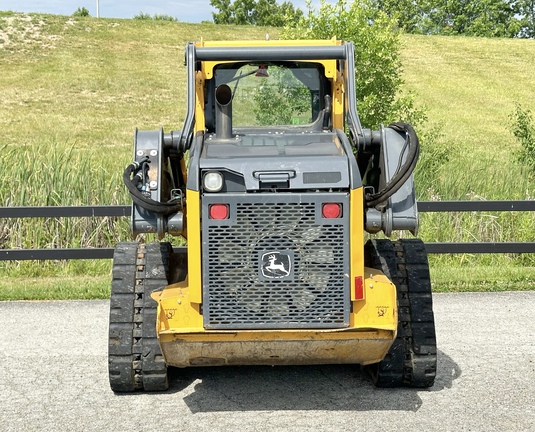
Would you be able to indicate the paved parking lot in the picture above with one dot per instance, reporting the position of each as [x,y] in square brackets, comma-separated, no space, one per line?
[53,376]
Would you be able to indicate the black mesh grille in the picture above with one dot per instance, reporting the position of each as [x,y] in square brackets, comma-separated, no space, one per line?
[276,265]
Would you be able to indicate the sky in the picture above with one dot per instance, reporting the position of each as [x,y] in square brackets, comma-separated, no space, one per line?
[193,11]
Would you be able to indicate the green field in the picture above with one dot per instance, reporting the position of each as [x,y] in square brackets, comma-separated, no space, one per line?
[74,89]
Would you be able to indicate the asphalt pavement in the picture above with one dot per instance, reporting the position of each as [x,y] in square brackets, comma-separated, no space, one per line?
[53,377]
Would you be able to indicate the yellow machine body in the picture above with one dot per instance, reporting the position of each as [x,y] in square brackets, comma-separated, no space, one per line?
[185,342]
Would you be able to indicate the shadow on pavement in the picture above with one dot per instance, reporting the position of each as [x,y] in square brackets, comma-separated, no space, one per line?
[325,387]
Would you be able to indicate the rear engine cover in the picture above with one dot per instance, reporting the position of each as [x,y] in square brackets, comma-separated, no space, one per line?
[276,262]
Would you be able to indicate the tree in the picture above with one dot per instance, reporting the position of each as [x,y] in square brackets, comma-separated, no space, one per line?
[526,10]
[261,12]
[494,18]
[377,55]
[407,13]
[224,14]
[81,12]
[489,18]
[282,101]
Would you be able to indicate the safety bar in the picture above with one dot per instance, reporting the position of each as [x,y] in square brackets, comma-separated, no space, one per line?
[271,53]
[182,140]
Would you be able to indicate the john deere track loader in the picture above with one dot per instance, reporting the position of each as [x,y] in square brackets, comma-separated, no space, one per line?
[274,185]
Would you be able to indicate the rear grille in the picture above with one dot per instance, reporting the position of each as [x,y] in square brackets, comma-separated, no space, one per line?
[275,263]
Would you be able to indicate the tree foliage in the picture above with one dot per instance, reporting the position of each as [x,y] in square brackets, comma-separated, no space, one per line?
[377,55]
[526,11]
[488,18]
[81,12]
[282,101]
[261,12]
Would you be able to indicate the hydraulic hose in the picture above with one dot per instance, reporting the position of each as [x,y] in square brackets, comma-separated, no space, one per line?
[404,170]
[149,204]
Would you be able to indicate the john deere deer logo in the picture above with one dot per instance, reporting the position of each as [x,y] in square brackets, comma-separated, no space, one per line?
[276,265]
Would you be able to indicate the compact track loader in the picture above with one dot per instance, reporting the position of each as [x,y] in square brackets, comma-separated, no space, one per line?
[274,185]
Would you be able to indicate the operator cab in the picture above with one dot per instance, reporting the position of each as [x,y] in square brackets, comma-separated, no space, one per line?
[268,127]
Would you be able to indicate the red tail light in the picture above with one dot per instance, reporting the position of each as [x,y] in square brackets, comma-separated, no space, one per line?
[219,211]
[359,288]
[331,210]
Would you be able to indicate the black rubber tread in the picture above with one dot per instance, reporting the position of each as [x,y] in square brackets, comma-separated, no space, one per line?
[121,371]
[135,358]
[411,361]
[154,369]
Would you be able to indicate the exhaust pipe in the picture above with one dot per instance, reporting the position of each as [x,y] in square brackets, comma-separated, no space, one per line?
[223,112]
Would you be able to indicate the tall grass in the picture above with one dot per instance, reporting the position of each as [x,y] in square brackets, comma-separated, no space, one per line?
[58,174]
[445,173]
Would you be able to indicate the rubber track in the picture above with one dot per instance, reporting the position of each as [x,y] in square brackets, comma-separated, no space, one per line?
[135,358]
[411,361]
[154,278]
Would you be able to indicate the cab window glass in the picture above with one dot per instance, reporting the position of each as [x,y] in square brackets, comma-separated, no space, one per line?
[268,94]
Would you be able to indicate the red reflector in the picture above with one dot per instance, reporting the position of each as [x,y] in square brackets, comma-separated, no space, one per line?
[219,211]
[331,210]
[359,288]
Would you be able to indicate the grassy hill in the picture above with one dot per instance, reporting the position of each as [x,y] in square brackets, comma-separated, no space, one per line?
[73,90]
[470,85]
